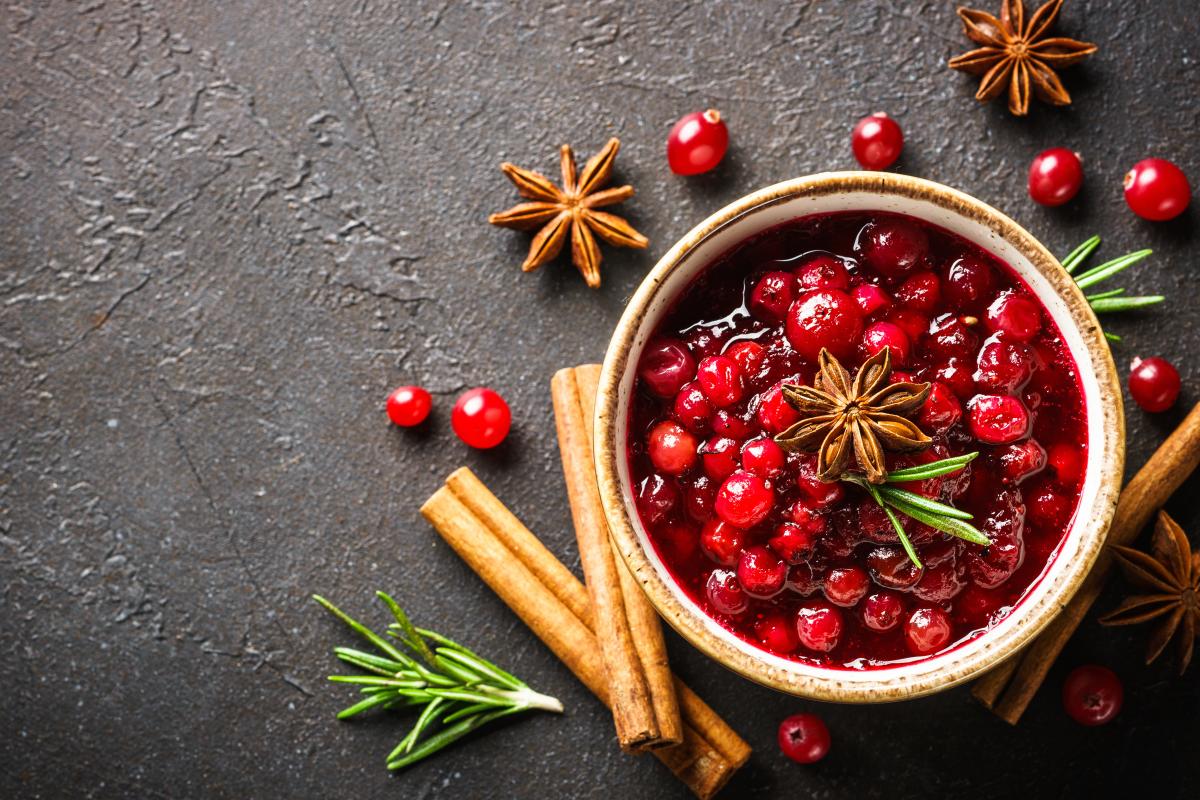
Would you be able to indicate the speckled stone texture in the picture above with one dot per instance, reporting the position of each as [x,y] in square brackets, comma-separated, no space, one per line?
[229,228]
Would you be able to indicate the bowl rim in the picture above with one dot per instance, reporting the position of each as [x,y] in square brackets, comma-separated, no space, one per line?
[891,683]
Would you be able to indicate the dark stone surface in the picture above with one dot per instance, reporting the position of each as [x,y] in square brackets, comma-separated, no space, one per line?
[229,229]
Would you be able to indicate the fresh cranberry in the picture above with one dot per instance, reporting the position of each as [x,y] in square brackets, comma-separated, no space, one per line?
[775,413]
[1003,365]
[1049,509]
[720,457]
[776,632]
[968,283]
[722,542]
[941,411]
[792,542]
[697,142]
[656,498]
[692,409]
[408,406]
[731,424]
[893,247]
[879,335]
[671,448]
[870,298]
[881,611]
[997,419]
[940,582]
[481,418]
[921,292]
[845,586]
[1067,462]
[891,568]
[1154,383]
[1157,190]
[761,572]
[824,319]
[804,738]
[744,499]
[822,271]
[1055,176]
[720,379]
[819,627]
[666,366]
[821,494]
[725,594]
[1092,695]
[699,496]
[749,356]
[1014,316]
[914,324]
[763,458]
[877,141]
[927,630]
[772,295]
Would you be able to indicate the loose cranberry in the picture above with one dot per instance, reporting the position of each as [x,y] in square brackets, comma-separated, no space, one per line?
[722,542]
[671,448]
[1067,462]
[921,292]
[824,319]
[997,419]
[733,425]
[819,627]
[891,568]
[1014,316]
[692,409]
[720,457]
[749,356]
[725,594]
[822,271]
[927,630]
[720,379]
[792,542]
[763,458]
[804,738]
[1022,459]
[845,586]
[1049,509]
[776,632]
[968,283]
[772,295]
[699,496]
[881,611]
[870,298]
[761,572]
[656,498]
[951,337]
[697,142]
[941,411]
[914,324]
[893,247]
[879,335]
[1055,176]
[408,406]
[744,500]
[481,418]
[774,413]
[1002,365]
[821,494]
[666,366]
[1157,190]
[1154,383]
[1092,695]
[877,141]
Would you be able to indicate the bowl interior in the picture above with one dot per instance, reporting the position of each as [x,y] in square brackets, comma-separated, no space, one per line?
[980,225]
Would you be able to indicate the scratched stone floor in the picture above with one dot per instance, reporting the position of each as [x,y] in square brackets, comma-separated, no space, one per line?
[226,230]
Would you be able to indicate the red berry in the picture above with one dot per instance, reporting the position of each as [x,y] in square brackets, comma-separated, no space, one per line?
[891,567]
[722,542]
[656,498]
[692,409]
[804,738]
[763,458]
[697,143]
[721,380]
[940,583]
[760,572]
[737,426]
[1067,462]
[822,271]
[666,366]
[699,495]
[941,411]
[921,292]
[845,586]
[881,611]
[671,449]
[803,513]
[879,335]
[877,141]
[792,542]
[749,356]
[1055,176]
[1003,365]
[772,295]
[927,630]
[408,406]
[951,337]
[1048,509]
[1157,190]
[1154,383]
[893,247]
[819,627]
[1022,459]
[968,283]
[680,540]
[744,500]
[821,493]
[870,298]
[481,418]
[997,419]
[720,456]
[776,632]
[824,319]
[1014,316]
[1092,695]
[774,413]
[914,324]
[958,376]
[724,593]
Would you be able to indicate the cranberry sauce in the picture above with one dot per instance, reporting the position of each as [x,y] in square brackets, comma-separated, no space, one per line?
[814,571]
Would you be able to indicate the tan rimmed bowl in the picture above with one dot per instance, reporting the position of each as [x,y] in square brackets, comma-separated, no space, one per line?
[978,223]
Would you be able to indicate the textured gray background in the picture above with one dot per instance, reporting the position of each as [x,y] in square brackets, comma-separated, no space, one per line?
[228,229]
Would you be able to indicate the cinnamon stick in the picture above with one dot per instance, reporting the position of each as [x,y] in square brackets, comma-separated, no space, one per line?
[512,561]
[644,706]
[1008,689]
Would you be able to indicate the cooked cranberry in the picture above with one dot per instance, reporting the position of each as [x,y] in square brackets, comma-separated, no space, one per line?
[720,457]
[722,542]
[481,418]
[1154,383]
[763,458]
[997,419]
[733,425]
[656,498]
[893,247]
[1067,462]
[792,542]
[1055,176]
[1014,316]
[744,499]
[879,335]
[776,414]
[804,738]
[822,271]
[703,341]
[921,292]
[975,606]
[772,295]
[968,283]
[881,611]
[941,410]
[805,514]
[956,374]
[1022,459]
[992,565]
[1049,509]
[699,495]
[725,594]
[891,568]
[845,586]
[824,319]
[776,632]
[666,366]
[951,337]
[671,448]
[697,142]
[819,627]
[692,409]
[681,541]
[927,630]
[877,141]
[749,356]
[822,494]
[941,582]
[1003,365]
[1092,695]
[408,406]
[870,298]
[914,324]
[1157,190]
[761,572]
[803,579]
[721,380]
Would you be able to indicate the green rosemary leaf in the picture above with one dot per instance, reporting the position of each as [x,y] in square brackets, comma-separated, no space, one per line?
[1080,254]
[367,661]
[372,680]
[892,495]
[932,469]
[502,676]
[479,665]
[1109,268]
[427,717]
[466,711]
[904,540]
[1112,337]
[362,630]
[412,638]
[463,674]
[468,696]
[954,527]
[372,701]
[448,736]
[1103,295]
[1104,305]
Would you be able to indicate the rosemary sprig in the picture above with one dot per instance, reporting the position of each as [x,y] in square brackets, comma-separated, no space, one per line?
[460,690]
[1111,300]
[942,517]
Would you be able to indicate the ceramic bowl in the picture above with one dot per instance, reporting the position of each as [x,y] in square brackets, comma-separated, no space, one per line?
[970,219]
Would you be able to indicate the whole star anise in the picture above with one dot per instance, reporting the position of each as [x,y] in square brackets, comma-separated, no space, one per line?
[1170,577]
[570,210]
[846,422]
[1019,56]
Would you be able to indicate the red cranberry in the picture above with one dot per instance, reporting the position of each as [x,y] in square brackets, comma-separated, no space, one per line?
[1092,695]
[1067,462]
[870,298]
[881,611]
[941,582]
[776,632]
[991,566]
[821,494]
[656,498]
[481,418]
[772,295]
[804,514]
[761,572]
[733,425]
[1003,366]
[921,292]
[1014,316]
[804,738]
[725,594]
[1049,510]
[877,141]
[891,568]
[824,319]
[408,406]
[941,411]
[720,457]
[722,542]
[968,283]
[720,379]
[703,341]
[879,335]
[803,579]
[893,247]
[956,374]
[794,543]
[692,409]
[671,449]
[680,539]
[774,413]
[1022,459]
[951,337]
[845,586]
[1154,383]
[819,627]
[975,606]
[749,356]
[914,324]
[666,366]
[927,630]
[763,458]
[1055,176]
[697,142]
[699,495]
[1157,190]
[744,500]
[997,419]
[822,271]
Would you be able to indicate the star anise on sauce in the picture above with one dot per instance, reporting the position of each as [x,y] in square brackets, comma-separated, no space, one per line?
[854,421]
[1019,56]
[570,211]
[1169,577]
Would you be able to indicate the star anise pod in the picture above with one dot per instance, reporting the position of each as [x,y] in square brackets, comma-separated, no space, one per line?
[854,421]
[1018,55]
[571,210]
[1169,576]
